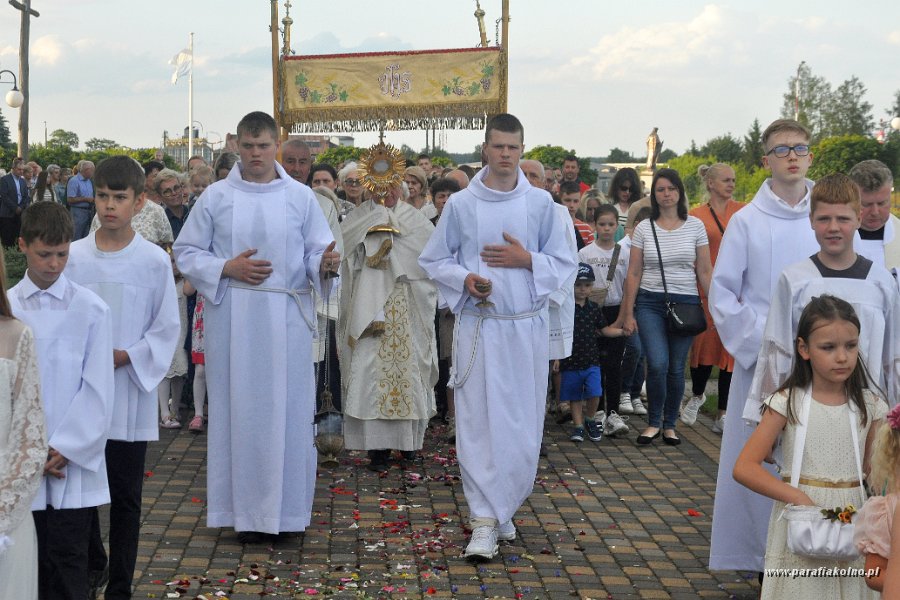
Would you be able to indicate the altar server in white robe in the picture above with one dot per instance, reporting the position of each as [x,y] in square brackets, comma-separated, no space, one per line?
[770,233]
[389,361]
[134,278]
[500,230]
[73,334]
[839,271]
[256,246]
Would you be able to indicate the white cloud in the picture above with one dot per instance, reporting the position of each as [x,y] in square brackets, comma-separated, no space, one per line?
[46,50]
[894,37]
[673,43]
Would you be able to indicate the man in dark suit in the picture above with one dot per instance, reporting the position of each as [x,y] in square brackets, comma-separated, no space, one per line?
[13,200]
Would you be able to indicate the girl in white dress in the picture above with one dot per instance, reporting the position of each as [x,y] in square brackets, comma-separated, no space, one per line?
[828,369]
[23,452]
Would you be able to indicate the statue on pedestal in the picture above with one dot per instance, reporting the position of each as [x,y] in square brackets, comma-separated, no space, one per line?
[654,147]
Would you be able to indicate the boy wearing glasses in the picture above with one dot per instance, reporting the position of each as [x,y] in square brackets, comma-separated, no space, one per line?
[761,240]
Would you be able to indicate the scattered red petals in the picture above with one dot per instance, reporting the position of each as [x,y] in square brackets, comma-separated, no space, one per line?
[694,513]
[148,473]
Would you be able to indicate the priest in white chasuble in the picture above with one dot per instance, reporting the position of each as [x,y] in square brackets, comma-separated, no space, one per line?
[386,329]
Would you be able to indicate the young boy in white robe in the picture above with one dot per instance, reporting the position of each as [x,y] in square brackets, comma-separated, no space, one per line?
[256,246]
[73,334]
[836,269]
[761,240]
[498,253]
[134,278]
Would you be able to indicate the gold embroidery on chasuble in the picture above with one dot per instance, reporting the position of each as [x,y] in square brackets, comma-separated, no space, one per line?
[394,389]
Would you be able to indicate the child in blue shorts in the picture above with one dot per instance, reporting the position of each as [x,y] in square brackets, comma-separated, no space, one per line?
[581,371]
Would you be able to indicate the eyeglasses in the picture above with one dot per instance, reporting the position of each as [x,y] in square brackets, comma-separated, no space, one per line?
[353,182]
[171,191]
[783,151]
[624,188]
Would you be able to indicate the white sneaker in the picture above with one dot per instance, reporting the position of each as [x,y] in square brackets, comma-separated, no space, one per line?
[625,406]
[483,542]
[507,531]
[690,410]
[600,417]
[615,424]
[644,391]
[638,406]
[718,425]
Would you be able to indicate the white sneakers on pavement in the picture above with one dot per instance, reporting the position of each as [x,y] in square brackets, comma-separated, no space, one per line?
[638,407]
[718,425]
[507,531]
[625,406]
[483,542]
[615,424]
[690,410]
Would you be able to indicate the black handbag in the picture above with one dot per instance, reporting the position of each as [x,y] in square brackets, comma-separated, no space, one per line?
[682,318]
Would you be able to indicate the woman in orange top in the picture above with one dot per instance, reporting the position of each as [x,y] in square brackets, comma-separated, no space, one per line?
[707,351]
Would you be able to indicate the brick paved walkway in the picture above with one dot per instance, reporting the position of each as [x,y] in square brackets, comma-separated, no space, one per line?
[606,520]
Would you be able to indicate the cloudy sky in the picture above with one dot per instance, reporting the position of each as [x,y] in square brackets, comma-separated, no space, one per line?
[584,74]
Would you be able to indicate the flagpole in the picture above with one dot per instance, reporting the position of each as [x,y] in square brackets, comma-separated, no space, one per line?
[191,103]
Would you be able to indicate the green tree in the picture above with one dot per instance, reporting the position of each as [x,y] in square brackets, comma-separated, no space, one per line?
[553,156]
[64,156]
[617,155]
[752,148]
[827,112]
[693,150]
[895,110]
[338,156]
[687,165]
[723,148]
[61,137]
[815,92]
[100,144]
[839,154]
[846,113]
[5,137]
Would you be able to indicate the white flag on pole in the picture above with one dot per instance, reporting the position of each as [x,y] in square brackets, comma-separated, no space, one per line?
[182,63]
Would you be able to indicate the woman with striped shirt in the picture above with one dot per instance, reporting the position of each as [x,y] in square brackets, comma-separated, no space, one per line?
[684,249]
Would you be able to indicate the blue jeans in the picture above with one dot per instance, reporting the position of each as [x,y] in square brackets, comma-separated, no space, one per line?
[81,218]
[666,355]
[633,366]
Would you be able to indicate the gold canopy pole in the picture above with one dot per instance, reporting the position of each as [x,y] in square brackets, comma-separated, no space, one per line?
[273,27]
[505,45]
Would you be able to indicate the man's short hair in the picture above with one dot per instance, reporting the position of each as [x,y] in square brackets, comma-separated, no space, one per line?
[569,187]
[84,164]
[871,175]
[257,122]
[295,143]
[120,173]
[197,157]
[443,184]
[153,165]
[506,123]
[780,125]
[570,158]
[836,188]
[49,222]
[16,162]
[469,171]
[421,156]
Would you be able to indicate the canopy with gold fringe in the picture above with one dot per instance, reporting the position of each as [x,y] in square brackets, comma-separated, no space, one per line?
[440,89]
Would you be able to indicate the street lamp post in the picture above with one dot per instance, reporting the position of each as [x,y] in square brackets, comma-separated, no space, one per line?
[14,98]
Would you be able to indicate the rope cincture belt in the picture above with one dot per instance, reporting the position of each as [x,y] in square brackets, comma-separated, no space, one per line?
[822,483]
[295,294]
[453,382]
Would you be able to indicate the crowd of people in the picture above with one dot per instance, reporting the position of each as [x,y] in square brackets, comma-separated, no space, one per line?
[265,281]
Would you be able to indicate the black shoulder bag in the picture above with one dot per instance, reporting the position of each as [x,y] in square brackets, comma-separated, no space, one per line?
[681,318]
